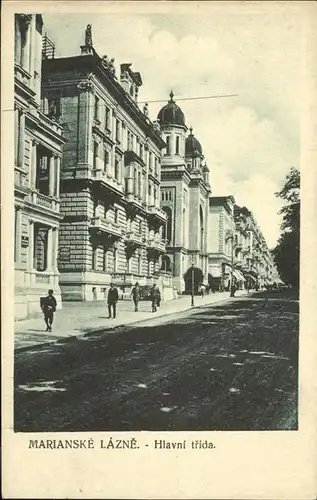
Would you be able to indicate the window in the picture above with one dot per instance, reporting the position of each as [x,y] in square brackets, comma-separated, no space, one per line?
[21,29]
[107,118]
[96,109]
[140,227]
[167,230]
[116,169]
[139,264]
[141,151]
[168,144]
[150,189]
[116,215]
[106,160]
[95,207]
[118,130]
[96,146]
[155,166]
[150,161]
[177,144]
[139,184]
[18,138]
[40,247]
[115,260]
[94,258]
[129,140]
[155,195]
[105,258]
[54,107]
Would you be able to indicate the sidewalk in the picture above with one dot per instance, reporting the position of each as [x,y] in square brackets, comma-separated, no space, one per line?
[80,318]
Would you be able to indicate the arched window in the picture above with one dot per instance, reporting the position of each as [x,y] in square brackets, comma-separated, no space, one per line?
[166,263]
[202,229]
[167,230]
[168,144]
[177,145]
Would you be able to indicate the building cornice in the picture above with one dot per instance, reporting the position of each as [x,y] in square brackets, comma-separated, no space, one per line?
[93,67]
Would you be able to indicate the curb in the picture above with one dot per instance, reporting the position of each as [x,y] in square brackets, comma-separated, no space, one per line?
[108,329]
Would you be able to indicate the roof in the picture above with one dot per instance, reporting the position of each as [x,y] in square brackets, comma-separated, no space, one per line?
[171,114]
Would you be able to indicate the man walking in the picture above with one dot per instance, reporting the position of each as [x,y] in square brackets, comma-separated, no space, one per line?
[202,290]
[136,296]
[48,306]
[112,300]
[155,298]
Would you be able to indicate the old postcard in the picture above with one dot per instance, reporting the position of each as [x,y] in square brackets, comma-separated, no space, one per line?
[158,241]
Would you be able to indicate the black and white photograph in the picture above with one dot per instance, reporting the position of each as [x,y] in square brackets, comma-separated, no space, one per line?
[156,196]
[157,228]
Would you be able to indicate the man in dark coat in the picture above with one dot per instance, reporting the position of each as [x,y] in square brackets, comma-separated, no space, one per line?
[48,306]
[113,297]
[136,296]
[155,298]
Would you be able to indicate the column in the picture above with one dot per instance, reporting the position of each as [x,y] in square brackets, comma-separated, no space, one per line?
[55,250]
[21,140]
[26,48]
[50,248]
[30,264]
[17,235]
[57,175]
[51,175]
[33,166]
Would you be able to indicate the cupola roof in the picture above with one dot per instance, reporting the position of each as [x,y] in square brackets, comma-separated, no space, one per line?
[171,114]
[192,145]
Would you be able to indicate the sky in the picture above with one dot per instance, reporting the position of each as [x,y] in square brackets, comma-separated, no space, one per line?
[251,140]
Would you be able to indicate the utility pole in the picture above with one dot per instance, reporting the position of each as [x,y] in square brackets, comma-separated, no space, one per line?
[193,284]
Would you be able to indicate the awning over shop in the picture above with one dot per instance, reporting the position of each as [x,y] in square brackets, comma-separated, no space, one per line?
[215,272]
[238,275]
[249,276]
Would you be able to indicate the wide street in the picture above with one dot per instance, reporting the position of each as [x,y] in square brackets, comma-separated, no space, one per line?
[230,366]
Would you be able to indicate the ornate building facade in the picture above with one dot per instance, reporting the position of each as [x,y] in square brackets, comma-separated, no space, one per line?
[185,191]
[37,154]
[112,227]
[237,248]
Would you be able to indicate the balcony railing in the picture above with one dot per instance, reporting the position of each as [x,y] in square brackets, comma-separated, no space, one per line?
[134,238]
[134,200]
[107,180]
[157,211]
[43,200]
[51,124]
[105,226]
[156,244]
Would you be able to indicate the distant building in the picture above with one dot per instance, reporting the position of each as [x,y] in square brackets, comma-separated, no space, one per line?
[37,154]
[185,191]
[112,227]
[252,256]
[220,227]
[236,248]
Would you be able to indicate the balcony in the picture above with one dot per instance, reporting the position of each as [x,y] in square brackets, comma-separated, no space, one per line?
[157,213]
[42,200]
[132,157]
[104,226]
[133,238]
[107,181]
[156,245]
[135,202]
[52,125]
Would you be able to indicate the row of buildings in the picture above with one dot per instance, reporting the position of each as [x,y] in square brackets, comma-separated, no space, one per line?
[103,194]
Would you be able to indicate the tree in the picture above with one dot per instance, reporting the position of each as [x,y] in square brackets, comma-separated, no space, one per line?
[286,252]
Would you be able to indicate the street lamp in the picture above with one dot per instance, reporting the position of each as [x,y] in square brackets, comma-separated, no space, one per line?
[193,284]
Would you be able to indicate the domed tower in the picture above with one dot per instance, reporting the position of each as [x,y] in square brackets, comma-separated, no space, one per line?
[193,152]
[173,127]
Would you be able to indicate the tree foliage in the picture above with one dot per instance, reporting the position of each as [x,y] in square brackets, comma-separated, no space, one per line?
[286,252]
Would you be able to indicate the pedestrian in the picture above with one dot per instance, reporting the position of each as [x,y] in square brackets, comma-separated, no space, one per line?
[48,306]
[155,297]
[136,296]
[202,290]
[112,300]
